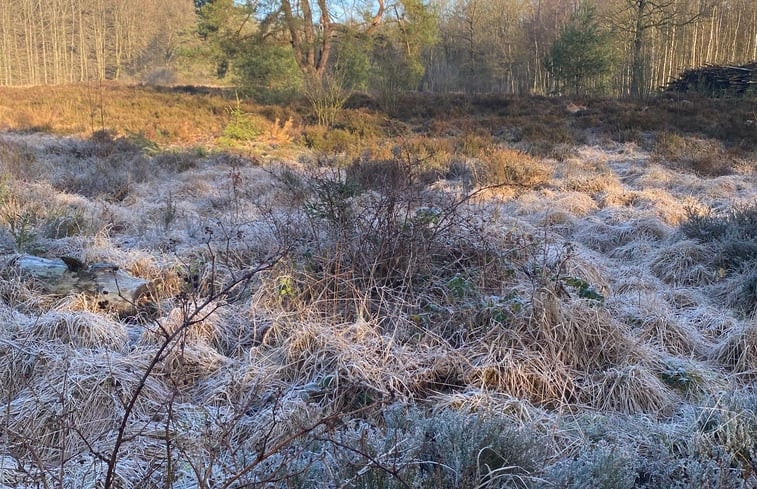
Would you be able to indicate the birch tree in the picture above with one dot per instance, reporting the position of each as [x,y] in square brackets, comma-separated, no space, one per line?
[640,17]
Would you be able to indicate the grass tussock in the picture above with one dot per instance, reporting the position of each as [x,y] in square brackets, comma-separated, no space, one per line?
[668,332]
[524,375]
[629,389]
[349,364]
[683,263]
[82,396]
[83,329]
[583,337]
[737,349]
[204,330]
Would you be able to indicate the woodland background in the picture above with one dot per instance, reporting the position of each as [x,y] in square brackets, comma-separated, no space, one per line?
[614,47]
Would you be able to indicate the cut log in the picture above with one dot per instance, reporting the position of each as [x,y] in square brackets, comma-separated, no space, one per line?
[112,288]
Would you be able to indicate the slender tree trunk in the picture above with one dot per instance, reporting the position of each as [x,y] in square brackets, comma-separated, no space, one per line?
[100,36]
[5,25]
[710,53]
[117,40]
[17,49]
[43,42]
[754,34]
[83,49]
[637,72]
[693,48]
[471,45]
[735,34]
[719,35]
[28,44]
[55,36]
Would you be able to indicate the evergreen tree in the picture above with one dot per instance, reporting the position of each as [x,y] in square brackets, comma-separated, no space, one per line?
[582,59]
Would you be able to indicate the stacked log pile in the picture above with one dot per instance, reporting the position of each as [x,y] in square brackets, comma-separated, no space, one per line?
[716,80]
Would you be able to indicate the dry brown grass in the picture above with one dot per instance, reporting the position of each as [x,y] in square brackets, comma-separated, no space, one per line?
[620,233]
[17,159]
[507,166]
[354,364]
[705,157]
[674,335]
[549,202]
[660,203]
[203,331]
[485,400]
[155,115]
[525,375]
[185,365]
[79,397]
[584,337]
[629,389]
[592,183]
[83,329]
[21,361]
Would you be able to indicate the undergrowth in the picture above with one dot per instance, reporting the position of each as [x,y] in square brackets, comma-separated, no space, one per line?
[391,310]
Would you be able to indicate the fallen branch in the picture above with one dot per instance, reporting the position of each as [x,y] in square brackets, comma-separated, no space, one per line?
[111,287]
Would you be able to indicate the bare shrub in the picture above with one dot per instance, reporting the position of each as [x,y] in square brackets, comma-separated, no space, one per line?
[412,245]
[327,95]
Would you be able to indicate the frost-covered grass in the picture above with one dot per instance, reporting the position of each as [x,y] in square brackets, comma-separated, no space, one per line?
[589,323]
